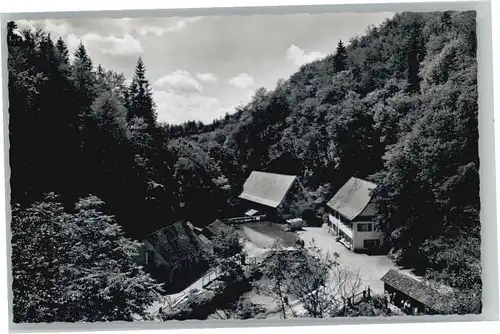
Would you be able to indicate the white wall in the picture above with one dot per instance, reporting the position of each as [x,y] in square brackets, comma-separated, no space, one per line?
[360,237]
[357,237]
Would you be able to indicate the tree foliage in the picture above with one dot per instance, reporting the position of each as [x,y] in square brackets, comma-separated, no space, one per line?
[77,266]
[318,281]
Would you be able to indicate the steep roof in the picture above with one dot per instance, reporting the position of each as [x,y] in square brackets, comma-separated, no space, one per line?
[268,189]
[418,290]
[176,242]
[352,198]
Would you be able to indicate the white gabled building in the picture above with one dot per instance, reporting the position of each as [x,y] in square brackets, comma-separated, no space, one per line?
[351,215]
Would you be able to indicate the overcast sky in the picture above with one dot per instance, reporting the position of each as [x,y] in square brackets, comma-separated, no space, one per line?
[202,67]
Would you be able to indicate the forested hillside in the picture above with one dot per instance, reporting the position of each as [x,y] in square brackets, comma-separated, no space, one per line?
[397,106]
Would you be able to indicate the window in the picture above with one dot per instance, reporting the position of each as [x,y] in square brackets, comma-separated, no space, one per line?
[365,227]
[371,243]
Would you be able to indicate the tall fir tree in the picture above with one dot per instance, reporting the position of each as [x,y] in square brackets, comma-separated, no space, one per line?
[83,78]
[141,97]
[340,58]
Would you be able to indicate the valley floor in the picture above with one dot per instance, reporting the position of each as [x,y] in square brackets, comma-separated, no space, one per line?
[258,239]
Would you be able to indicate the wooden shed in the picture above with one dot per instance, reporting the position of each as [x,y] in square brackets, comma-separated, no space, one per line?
[416,296]
[174,256]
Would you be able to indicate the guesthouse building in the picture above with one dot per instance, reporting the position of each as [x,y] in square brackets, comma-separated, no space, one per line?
[351,216]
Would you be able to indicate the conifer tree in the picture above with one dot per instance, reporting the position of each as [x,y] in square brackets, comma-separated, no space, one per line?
[83,78]
[340,58]
[141,97]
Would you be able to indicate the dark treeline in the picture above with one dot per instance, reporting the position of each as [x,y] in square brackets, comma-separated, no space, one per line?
[397,106]
[77,130]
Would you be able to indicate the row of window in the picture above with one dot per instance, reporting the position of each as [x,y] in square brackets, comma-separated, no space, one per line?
[361,227]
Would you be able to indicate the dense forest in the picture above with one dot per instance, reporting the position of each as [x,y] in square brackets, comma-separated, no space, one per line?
[397,106]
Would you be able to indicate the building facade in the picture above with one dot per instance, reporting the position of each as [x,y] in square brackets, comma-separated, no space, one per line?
[351,216]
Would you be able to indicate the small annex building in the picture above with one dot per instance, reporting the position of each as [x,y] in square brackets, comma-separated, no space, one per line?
[174,256]
[280,196]
[351,215]
[416,296]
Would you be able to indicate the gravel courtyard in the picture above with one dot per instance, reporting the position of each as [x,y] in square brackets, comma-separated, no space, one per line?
[260,236]
[371,267]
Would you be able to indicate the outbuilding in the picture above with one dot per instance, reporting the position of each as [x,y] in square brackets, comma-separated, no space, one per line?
[416,296]
[174,256]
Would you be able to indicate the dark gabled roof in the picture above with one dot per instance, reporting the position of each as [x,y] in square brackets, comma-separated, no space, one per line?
[419,290]
[353,198]
[176,242]
[216,227]
[268,189]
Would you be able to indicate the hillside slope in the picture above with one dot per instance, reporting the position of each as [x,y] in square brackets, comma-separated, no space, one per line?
[397,106]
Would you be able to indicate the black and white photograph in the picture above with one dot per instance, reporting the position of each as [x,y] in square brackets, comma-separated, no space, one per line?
[234,167]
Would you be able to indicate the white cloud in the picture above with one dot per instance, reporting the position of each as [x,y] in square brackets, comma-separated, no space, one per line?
[58,28]
[112,45]
[179,81]
[178,98]
[177,108]
[72,41]
[54,27]
[207,77]
[300,57]
[153,27]
[25,24]
[242,80]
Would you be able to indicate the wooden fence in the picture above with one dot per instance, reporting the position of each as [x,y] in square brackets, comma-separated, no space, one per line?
[355,299]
